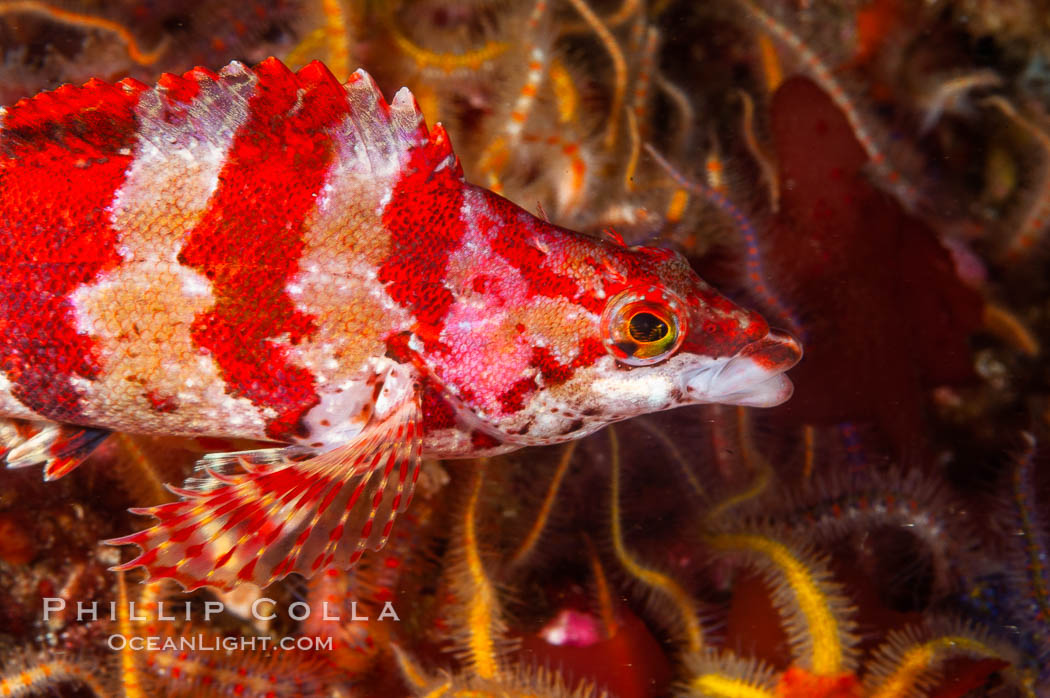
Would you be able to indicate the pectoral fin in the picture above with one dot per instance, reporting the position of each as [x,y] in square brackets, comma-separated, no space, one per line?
[289,510]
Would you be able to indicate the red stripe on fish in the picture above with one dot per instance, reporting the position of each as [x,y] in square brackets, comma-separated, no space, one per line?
[268,185]
[437,412]
[423,217]
[556,373]
[504,232]
[63,156]
[514,399]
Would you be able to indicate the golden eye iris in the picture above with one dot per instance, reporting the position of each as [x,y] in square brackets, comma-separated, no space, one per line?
[643,327]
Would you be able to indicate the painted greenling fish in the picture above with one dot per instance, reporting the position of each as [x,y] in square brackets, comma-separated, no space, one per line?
[273,255]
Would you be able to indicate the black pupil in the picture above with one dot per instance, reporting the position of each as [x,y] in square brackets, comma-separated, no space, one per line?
[646,327]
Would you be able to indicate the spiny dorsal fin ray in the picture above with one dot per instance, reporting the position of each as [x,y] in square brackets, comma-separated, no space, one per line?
[275,518]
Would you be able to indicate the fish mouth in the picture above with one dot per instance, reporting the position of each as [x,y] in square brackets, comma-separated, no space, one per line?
[754,377]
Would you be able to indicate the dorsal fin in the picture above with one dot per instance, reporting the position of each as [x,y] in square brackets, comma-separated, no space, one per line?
[374,138]
[182,114]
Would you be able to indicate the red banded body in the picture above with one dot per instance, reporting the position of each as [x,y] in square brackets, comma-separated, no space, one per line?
[263,254]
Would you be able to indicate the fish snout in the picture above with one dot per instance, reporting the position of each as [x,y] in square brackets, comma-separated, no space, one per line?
[753,377]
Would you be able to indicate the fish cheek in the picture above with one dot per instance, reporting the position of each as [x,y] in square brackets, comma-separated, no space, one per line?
[576,406]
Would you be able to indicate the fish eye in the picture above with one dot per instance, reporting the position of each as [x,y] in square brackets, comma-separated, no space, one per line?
[643,328]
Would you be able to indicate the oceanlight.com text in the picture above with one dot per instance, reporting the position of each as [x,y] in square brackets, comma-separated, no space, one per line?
[210,643]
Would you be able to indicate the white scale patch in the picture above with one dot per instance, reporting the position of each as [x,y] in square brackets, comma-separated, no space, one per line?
[344,244]
[141,312]
[648,394]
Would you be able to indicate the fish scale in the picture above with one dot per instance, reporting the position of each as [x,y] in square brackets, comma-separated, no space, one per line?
[263,254]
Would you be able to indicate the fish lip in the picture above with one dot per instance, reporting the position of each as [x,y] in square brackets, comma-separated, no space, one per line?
[778,350]
[753,377]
